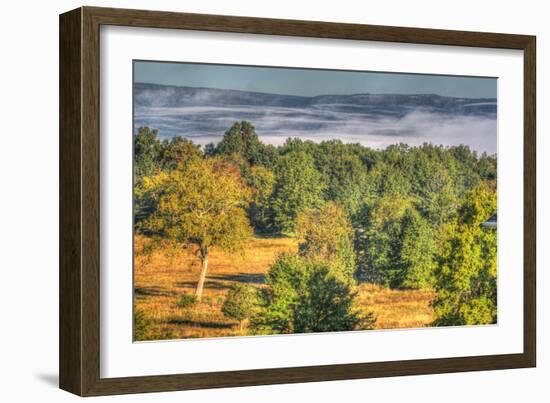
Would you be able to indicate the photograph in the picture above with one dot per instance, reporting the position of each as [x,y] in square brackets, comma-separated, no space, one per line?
[273,200]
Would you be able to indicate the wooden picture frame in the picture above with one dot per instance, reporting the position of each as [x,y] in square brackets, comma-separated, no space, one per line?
[79,347]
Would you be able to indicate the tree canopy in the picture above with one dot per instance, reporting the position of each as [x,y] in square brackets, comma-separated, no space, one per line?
[326,235]
[467,267]
[298,187]
[402,216]
[203,203]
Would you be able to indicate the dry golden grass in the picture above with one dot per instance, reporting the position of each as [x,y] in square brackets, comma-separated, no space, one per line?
[162,277]
[397,309]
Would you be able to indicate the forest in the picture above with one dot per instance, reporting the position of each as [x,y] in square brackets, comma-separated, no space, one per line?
[343,223]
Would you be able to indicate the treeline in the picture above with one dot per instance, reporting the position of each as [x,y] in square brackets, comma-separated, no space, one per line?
[409,216]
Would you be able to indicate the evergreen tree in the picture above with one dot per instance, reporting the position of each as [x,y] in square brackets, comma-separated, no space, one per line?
[343,172]
[304,296]
[178,151]
[395,245]
[242,139]
[147,149]
[298,187]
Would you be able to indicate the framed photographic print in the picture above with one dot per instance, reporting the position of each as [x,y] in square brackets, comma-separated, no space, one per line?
[249,201]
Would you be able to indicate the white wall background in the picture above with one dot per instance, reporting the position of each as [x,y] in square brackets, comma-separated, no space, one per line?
[29,198]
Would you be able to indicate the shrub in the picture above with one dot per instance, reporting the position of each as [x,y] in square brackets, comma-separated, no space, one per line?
[207,300]
[325,305]
[187,301]
[305,296]
[240,303]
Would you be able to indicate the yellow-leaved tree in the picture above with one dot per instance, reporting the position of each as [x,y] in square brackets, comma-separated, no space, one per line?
[201,203]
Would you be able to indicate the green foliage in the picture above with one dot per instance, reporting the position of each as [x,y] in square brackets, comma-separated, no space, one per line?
[201,203]
[187,301]
[325,305]
[396,245]
[241,302]
[242,139]
[262,182]
[147,150]
[178,151]
[326,236]
[404,217]
[487,167]
[432,184]
[152,156]
[285,279]
[387,181]
[343,172]
[207,300]
[412,193]
[415,252]
[298,187]
[304,296]
[467,273]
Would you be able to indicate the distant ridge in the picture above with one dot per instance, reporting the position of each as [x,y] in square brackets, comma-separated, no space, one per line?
[157,95]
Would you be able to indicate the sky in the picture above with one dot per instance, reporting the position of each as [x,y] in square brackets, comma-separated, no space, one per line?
[310,82]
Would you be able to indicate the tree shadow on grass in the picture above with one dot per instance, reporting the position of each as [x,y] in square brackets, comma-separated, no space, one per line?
[152,292]
[199,323]
[213,285]
[249,278]
[223,281]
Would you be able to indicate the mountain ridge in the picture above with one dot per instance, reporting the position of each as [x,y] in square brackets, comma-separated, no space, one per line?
[160,95]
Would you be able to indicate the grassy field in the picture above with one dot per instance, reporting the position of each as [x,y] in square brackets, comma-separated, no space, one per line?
[163,276]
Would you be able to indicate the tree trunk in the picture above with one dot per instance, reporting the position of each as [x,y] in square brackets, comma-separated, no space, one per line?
[202,277]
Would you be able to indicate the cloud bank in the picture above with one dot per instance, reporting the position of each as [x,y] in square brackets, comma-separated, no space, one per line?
[203,118]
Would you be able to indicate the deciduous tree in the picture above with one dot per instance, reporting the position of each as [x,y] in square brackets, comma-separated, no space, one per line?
[262,182]
[326,236]
[203,204]
[467,266]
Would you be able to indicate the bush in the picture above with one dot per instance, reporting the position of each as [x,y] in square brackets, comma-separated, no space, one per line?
[207,300]
[187,301]
[304,296]
[240,303]
[325,305]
